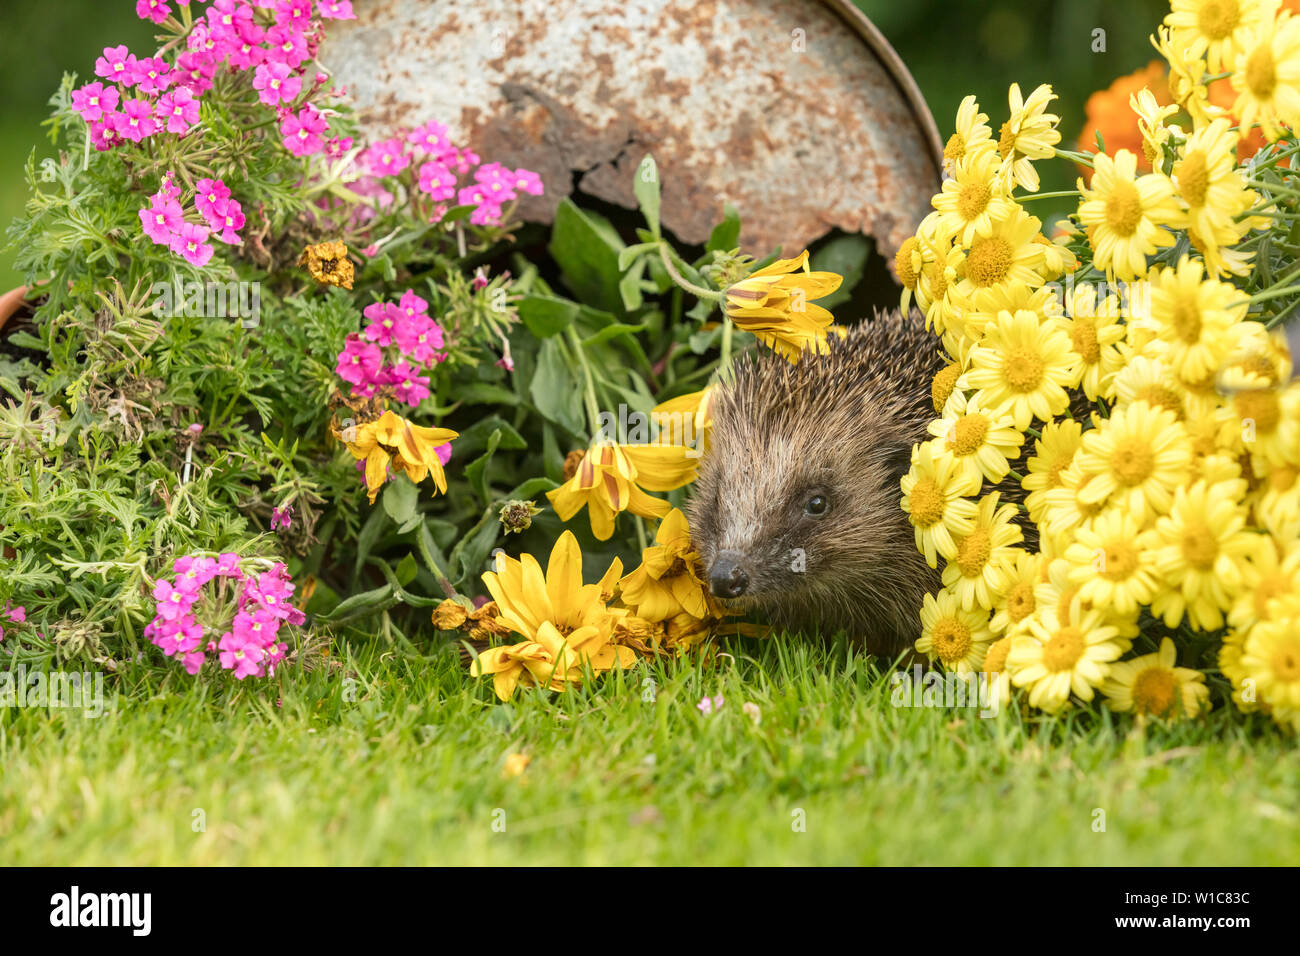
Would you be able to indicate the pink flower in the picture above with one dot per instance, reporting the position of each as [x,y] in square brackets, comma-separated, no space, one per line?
[412,305]
[194,662]
[385,158]
[528,182]
[431,138]
[708,705]
[336,9]
[195,70]
[117,64]
[497,182]
[179,109]
[171,602]
[225,17]
[190,242]
[152,73]
[228,565]
[338,146]
[286,44]
[359,362]
[94,100]
[16,614]
[276,83]
[136,121]
[437,180]
[192,572]
[487,214]
[443,452]
[208,195]
[155,10]
[302,132]
[161,218]
[229,219]
[295,12]
[241,655]
[282,518]
[103,134]
[384,320]
[421,340]
[407,383]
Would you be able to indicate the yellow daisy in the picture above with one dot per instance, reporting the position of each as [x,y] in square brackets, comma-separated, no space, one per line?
[1028,134]
[1070,505]
[1095,332]
[979,570]
[1153,686]
[936,286]
[1212,28]
[1124,213]
[1023,365]
[668,582]
[972,130]
[983,443]
[1144,379]
[1018,601]
[1187,77]
[1202,551]
[609,479]
[1268,423]
[1151,123]
[908,262]
[1138,457]
[1007,256]
[1053,453]
[1194,319]
[776,305]
[934,492]
[1112,561]
[1271,658]
[1277,506]
[1267,74]
[1210,186]
[1269,572]
[958,638]
[1054,656]
[969,201]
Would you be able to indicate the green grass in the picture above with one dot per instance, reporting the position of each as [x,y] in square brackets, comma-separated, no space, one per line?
[412,772]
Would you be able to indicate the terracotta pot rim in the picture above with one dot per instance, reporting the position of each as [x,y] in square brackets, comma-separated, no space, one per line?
[10,303]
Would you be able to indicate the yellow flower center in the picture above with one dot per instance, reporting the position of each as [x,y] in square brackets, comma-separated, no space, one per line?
[1121,560]
[951,640]
[955,148]
[996,659]
[1282,478]
[926,502]
[903,262]
[968,434]
[1261,365]
[1261,407]
[1024,369]
[1162,397]
[1269,587]
[1006,141]
[1261,72]
[1063,650]
[1083,335]
[1286,662]
[1153,692]
[1186,319]
[1124,208]
[1020,601]
[1193,178]
[1132,461]
[973,552]
[1216,19]
[973,199]
[989,261]
[945,380]
[1200,546]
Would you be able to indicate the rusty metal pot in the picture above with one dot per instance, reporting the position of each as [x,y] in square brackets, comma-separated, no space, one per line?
[799,113]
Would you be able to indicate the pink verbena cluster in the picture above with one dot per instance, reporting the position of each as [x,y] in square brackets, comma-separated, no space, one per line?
[400,342]
[163,220]
[437,169]
[250,645]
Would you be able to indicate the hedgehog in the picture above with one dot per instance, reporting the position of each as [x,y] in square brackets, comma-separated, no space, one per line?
[796,512]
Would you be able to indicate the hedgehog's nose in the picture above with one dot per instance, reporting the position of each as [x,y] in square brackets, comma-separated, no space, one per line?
[727,579]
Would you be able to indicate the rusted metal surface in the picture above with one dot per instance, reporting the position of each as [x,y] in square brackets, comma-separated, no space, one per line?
[799,113]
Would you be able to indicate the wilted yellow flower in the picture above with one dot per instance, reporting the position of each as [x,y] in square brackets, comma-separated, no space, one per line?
[668,581]
[328,263]
[610,479]
[685,420]
[392,440]
[1153,686]
[776,305]
[1124,213]
[450,615]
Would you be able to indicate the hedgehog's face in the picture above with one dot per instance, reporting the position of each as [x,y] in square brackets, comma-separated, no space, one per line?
[779,525]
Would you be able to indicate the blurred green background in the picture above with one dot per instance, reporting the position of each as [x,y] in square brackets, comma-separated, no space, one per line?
[953,47]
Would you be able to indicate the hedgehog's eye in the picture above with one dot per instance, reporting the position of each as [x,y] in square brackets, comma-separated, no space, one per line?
[816,506]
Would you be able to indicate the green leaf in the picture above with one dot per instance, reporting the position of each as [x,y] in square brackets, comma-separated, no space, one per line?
[547,315]
[476,471]
[555,391]
[846,256]
[406,569]
[630,254]
[368,602]
[400,499]
[629,287]
[532,488]
[470,554]
[480,433]
[646,189]
[726,234]
[586,248]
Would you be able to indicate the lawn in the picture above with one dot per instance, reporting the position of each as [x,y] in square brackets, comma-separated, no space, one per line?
[413,771]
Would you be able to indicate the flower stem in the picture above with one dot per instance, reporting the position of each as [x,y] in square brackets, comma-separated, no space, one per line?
[698,291]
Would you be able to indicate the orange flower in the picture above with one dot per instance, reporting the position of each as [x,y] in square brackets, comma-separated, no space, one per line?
[1109,113]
